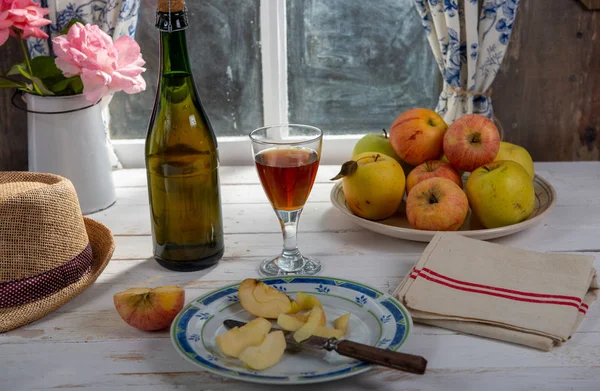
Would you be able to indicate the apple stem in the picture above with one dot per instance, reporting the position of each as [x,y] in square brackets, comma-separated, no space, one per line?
[385,133]
[377,157]
[486,168]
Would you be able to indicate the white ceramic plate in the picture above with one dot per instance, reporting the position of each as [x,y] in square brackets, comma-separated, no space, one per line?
[376,319]
[397,226]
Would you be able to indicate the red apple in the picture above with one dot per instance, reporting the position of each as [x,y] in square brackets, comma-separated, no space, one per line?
[471,141]
[432,169]
[149,309]
[417,135]
[437,204]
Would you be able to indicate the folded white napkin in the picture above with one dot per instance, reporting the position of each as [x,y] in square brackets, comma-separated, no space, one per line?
[476,287]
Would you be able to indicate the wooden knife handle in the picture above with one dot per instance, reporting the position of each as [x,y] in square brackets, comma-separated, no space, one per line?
[387,358]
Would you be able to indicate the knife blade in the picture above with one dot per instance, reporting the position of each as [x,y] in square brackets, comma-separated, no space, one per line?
[371,354]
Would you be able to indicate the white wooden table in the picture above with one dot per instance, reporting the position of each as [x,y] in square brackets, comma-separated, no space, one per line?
[85,345]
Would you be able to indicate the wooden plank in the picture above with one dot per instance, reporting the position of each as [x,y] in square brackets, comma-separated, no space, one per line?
[13,122]
[154,364]
[91,316]
[363,243]
[316,217]
[547,93]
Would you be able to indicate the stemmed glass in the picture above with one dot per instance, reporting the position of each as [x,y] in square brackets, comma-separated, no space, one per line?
[287,159]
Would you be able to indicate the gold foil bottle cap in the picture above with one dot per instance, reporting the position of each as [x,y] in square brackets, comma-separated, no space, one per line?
[176,5]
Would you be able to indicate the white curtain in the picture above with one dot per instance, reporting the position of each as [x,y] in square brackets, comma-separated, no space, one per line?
[115,17]
[468,39]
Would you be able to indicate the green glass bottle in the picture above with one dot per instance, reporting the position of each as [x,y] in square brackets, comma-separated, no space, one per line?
[181,158]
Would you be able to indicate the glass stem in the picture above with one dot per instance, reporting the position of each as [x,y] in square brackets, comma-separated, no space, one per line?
[291,259]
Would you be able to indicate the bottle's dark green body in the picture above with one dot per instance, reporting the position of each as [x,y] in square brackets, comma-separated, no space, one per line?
[182,162]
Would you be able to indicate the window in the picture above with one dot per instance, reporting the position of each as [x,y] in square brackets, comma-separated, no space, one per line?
[346,66]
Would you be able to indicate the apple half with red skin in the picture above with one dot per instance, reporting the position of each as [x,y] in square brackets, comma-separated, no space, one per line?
[471,141]
[417,135]
[149,309]
[437,204]
[432,169]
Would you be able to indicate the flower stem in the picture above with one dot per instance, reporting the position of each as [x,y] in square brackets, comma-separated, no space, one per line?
[27,63]
[25,55]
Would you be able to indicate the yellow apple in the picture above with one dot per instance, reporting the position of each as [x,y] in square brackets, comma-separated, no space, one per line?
[373,185]
[149,309]
[263,300]
[379,143]
[501,193]
[265,355]
[517,154]
[436,204]
[237,339]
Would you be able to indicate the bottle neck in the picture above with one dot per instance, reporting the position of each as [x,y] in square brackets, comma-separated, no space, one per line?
[173,44]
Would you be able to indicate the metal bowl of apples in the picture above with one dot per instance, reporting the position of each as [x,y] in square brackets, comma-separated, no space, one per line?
[428,177]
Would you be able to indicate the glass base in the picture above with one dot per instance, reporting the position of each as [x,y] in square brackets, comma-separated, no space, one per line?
[270,267]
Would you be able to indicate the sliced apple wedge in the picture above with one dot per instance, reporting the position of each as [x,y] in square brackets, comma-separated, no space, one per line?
[327,332]
[289,322]
[265,355]
[341,323]
[295,307]
[149,309]
[234,341]
[310,326]
[308,302]
[262,300]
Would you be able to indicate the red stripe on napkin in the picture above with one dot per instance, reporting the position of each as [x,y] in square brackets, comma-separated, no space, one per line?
[423,273]
[522,293]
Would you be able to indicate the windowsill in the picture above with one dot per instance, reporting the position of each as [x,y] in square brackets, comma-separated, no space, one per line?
[235,151]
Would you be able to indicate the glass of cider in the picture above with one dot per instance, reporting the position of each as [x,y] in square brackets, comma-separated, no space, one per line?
[287,159]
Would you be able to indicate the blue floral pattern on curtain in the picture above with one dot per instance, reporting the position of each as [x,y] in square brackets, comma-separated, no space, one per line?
[469,47]
[115,17]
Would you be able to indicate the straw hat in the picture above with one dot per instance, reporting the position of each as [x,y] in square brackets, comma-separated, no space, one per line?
[49,253]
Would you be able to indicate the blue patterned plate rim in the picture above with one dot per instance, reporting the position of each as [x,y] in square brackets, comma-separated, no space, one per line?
[396,310]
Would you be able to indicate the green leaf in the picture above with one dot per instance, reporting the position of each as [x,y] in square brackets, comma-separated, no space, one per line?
[77,85]
[70,86]
[17,69]
[9,83]
[71,23]
[44,67]
[40,85]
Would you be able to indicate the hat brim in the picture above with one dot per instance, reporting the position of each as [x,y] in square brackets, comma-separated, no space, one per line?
[103,246]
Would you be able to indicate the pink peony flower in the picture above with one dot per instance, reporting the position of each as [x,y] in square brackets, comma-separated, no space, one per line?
[24,15]
[5,26]
[104,67]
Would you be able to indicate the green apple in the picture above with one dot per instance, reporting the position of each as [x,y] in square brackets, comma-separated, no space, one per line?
[373,185]
[517,154]
[500,193]
[380,143]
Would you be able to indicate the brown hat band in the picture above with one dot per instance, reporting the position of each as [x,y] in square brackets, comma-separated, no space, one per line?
[26,290]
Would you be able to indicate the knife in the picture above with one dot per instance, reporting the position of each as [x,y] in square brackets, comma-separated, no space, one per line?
[371,354]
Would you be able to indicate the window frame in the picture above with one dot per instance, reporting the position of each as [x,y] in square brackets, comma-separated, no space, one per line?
[235,151]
